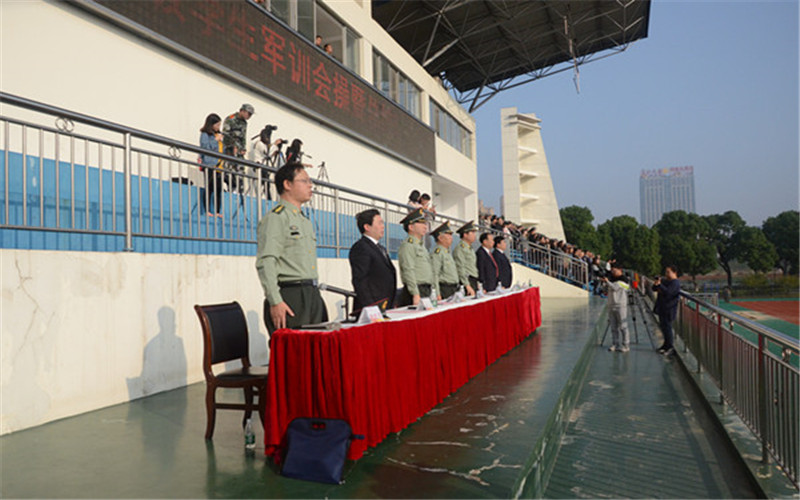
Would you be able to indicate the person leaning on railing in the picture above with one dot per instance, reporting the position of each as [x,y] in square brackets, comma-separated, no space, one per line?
[211,139]
[666,307]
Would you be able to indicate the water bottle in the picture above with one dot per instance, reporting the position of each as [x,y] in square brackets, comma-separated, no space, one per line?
[433,296]
[249,435]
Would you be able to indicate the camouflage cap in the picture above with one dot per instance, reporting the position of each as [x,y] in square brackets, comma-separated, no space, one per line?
[414,216]
[249,108]
[469,226]
[443,229]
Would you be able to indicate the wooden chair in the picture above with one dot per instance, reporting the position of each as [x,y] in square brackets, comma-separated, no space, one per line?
[225,339]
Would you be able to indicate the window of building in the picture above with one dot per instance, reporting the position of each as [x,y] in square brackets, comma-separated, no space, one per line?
[392,83]
[450,131]
[310,19]
[344,40]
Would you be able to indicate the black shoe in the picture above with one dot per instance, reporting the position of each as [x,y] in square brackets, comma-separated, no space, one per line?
[661,349]
[669,351]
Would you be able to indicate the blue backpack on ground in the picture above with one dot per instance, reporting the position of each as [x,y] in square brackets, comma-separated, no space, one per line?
[316,449]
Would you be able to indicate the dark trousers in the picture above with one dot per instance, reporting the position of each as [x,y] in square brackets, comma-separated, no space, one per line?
[305,302]
[406,299]
[213,196]
[473,282]
[447,290]
[665,322]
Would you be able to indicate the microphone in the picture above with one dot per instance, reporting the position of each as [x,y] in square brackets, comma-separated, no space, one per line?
[334,289]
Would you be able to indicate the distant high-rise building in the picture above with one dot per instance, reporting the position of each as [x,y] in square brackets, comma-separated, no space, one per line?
[663,190]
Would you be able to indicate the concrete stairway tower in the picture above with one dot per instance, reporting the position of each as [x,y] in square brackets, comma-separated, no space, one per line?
[528,194]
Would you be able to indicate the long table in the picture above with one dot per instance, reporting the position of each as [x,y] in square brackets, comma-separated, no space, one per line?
[383,376]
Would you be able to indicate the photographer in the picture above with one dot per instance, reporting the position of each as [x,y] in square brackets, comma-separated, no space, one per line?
[260,153]
[669,289]
[616,286]
[294,153]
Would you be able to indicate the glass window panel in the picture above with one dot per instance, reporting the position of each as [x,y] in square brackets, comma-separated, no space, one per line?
[280,9]
[385,77]
[392,82]
[305,18]
[401,91]
[352,54]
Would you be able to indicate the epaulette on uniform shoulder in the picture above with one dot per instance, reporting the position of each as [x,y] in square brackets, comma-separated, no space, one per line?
[278,209]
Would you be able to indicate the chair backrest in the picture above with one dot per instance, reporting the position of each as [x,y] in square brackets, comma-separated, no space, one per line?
[225,335]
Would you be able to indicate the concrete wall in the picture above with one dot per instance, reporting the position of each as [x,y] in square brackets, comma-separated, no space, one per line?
[548,286]
[81,330]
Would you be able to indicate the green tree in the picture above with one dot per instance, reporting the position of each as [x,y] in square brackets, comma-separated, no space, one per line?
[684,242]
[578,228]
[634,245]
[755,249]
[782,231]
[722,230]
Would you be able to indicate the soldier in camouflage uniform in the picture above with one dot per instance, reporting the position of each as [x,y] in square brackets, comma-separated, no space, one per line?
[234,131]
[416,271]
[286,258]
[464,256]
[443,264]
[234,138]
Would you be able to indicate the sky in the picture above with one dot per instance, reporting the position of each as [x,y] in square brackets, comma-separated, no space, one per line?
[714,86]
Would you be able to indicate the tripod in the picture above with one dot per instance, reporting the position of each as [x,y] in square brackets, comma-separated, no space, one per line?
[636,303]
[322,173]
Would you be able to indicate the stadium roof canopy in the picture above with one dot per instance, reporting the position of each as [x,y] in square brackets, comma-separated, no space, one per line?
[481,47]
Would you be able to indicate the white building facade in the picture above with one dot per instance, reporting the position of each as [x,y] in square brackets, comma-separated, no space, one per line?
[528,194]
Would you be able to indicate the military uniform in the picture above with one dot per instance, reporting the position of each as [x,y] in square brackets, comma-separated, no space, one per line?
[444,267]
[234,132]
[286,261]
[416,271]
[466,260]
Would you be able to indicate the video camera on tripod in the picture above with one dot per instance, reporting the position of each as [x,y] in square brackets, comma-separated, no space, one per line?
[266,134]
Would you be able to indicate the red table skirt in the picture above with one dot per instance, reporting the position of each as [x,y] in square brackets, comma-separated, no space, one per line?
[383,376]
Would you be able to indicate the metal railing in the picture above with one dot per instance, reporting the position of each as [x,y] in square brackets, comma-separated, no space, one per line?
[140,189]
[756,370]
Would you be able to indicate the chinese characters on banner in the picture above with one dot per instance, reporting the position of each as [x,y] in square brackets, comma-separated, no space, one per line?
[244,38]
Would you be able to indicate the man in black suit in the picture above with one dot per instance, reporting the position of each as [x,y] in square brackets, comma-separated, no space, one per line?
[503,264]
[372,270]
[488,270]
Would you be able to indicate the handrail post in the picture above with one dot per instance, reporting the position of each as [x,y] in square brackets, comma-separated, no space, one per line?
[336,218]
[762,401]
[720,364]
[386,223]
[128,215]
[258,195]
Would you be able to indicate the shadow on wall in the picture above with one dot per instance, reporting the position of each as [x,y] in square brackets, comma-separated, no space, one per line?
[164,360]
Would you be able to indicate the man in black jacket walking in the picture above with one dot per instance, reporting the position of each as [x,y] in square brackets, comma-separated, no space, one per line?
[667,306]
[373,274]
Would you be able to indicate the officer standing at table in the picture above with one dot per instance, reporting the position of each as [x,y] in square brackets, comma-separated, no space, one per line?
[443,264]
[465,259]
[286,258]
[416,271]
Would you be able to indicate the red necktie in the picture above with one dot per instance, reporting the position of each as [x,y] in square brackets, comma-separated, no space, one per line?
[496,269]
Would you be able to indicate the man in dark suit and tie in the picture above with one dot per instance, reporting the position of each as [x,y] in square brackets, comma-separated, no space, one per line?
[503,264]
[488,271]
[373,273]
